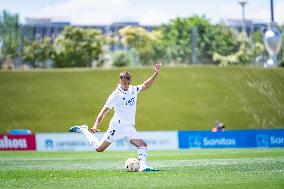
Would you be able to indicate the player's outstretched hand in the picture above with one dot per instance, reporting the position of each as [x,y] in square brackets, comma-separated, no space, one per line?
[94,130]
[157,67]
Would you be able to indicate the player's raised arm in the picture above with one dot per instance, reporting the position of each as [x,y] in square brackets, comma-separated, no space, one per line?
[150,81]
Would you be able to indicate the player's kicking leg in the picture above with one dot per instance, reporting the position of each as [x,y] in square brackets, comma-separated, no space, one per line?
[142,155]
[97,145]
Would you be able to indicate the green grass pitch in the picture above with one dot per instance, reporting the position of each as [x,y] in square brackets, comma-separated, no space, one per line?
[201,168]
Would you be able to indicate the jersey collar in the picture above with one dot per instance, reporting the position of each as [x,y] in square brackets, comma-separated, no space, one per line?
[120,89]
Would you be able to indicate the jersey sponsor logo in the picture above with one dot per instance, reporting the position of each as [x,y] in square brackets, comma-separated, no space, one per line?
[130,102]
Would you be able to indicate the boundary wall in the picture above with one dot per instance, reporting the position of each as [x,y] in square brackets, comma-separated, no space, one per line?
[156,140]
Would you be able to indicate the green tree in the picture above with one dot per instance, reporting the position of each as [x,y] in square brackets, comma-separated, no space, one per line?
[78,47]
[38,53]
[10,34]
[120,59]
[142,41]
[244,55]
[217,38]
[177,39]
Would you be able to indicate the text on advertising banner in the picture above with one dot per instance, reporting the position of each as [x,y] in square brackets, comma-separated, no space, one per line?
[232,139]
[17,142]
[156,140]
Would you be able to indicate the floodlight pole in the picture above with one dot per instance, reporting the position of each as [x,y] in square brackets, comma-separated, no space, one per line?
[243,4]
[272,11]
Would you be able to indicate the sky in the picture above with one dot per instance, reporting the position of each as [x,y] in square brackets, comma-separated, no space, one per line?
[146,12]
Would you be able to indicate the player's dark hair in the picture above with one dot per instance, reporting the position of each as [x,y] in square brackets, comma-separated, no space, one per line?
[125,75]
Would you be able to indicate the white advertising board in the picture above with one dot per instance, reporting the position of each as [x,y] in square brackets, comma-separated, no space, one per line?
[156,140]
[61,142]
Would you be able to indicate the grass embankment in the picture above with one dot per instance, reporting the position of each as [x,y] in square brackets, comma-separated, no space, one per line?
[182,98]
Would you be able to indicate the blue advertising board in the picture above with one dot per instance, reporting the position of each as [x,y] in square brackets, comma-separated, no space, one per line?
[231,139]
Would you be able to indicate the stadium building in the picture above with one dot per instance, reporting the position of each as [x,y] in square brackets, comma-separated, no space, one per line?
[39,28]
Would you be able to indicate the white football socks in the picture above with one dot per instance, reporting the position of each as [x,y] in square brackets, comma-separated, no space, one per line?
[90,137]
[142,155]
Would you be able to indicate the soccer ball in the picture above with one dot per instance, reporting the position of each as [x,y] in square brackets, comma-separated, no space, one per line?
[132,165]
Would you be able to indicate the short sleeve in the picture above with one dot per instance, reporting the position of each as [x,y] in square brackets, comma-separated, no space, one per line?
[110,103]
[138,88]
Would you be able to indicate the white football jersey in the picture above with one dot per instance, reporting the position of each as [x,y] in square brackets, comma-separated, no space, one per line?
[124,104]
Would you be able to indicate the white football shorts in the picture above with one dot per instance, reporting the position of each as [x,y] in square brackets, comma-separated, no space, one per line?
[118,132]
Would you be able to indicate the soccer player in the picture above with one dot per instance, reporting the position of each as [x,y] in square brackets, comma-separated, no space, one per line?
[123,99]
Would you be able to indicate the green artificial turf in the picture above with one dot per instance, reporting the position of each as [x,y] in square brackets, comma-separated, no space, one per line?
[210,168]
